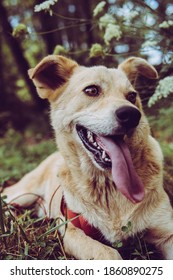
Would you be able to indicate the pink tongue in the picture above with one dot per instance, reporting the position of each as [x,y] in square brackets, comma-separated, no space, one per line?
[123,172]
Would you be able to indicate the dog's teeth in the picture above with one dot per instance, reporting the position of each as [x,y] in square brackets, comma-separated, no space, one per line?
[95,144]
[88,133]
[103,155]
[90,137]
[107,159]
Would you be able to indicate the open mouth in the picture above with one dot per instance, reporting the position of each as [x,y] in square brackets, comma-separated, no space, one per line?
[92,144]
[111,152]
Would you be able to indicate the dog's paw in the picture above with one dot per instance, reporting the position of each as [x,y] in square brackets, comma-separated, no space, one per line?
[107,253]
[18,197]
[8,194]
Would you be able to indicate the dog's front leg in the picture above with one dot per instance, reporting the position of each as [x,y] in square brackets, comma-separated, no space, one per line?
[81,246]
[24,193]
[36,184]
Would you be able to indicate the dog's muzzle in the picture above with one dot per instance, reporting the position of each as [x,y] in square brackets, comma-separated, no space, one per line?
[112,152]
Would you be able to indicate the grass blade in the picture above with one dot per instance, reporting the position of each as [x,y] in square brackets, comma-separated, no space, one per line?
[2,221]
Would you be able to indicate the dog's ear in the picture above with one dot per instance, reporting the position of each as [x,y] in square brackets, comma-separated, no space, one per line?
[51,74]
[135,66]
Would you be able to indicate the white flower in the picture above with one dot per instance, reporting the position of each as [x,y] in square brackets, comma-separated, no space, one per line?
[147,44]
[105,20]
[164,88]
[130,15]
[112,31]
[99,8]
[133,14]
[166,24]
[45,5]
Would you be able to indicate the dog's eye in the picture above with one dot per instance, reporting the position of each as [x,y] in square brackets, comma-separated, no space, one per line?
[131,96]
[92,90]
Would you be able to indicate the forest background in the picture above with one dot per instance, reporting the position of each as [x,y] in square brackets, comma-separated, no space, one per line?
[91,32]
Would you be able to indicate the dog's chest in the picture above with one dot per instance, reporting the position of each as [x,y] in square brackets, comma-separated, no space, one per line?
[114,222]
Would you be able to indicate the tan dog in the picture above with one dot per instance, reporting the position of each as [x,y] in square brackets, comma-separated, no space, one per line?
[109,168]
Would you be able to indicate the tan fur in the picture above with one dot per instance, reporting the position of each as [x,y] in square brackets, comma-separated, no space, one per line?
[88,189]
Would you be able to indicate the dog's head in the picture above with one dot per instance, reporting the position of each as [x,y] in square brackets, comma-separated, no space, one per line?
[96,108]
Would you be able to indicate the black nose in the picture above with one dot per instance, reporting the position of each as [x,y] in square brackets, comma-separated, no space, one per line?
[128,117]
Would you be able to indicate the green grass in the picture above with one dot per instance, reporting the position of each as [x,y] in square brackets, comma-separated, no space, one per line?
[26,237]
[20,153]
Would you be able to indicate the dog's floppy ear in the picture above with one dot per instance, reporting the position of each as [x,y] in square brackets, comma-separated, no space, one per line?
[51,74]
[135,66]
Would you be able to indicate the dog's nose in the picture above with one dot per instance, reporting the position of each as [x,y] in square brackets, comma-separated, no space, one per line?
[128,117]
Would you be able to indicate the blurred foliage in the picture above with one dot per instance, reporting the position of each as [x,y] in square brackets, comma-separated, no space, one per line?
[91,32]
[20,153]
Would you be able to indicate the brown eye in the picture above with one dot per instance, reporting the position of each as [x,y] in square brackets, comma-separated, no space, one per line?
[131,97]
[91,90]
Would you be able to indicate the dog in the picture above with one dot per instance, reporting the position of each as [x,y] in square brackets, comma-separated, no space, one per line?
[109,169]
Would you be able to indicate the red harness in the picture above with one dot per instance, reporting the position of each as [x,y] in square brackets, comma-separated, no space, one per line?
[80,222]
